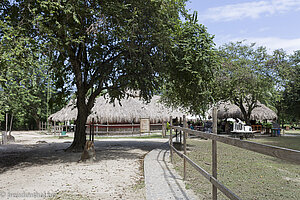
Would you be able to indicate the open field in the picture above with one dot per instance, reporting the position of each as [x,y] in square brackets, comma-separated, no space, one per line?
[248,174]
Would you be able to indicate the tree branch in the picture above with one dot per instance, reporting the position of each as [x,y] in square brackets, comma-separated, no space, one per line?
[108,62]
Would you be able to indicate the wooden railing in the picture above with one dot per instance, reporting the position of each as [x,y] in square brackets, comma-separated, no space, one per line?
[101,129]
[257,128]
[277,152]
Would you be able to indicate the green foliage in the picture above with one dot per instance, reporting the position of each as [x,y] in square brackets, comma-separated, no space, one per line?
[267,125]
[190,81]
[168,126]
[115,46]
[25,77]
[247,76]
[286,95]
[291,94]
[107,45]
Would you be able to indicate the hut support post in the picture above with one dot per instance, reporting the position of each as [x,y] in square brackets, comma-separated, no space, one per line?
[132,127]
[184,148]
[180,133]
[171,140]
[163,134]
[97,128]
[93,131]
[54,130]
[214,153]
[107,127]
[90,131]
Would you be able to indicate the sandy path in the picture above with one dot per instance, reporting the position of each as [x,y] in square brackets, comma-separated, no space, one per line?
[28,169]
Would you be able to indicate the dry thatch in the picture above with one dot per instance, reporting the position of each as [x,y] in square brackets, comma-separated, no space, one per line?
[127,111]
[262,112]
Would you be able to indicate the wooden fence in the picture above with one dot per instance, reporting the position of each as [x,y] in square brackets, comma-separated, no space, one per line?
[277,152]
[105,129]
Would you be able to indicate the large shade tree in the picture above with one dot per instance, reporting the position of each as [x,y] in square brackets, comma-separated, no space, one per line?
[111,46]
[245,76]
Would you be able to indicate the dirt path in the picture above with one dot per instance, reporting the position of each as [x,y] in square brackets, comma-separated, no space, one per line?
[33,170]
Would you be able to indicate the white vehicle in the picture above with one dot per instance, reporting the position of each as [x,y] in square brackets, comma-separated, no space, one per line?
[240,128]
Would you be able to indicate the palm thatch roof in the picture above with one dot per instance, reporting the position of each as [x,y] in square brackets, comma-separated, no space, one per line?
[128,110]
[261,112]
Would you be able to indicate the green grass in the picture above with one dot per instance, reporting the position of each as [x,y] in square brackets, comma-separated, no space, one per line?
[248,174]
[285,141]
[293,132]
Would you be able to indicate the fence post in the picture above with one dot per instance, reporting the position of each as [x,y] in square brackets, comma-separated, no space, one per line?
[171,139]
[180,132]
[163,125]
[214,153]
[184,148]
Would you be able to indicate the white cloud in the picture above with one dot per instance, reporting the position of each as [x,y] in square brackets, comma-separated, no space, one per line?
[272,43]
[252,9]
[263,29]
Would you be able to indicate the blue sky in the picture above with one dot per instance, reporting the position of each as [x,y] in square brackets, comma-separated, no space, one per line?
[274,24]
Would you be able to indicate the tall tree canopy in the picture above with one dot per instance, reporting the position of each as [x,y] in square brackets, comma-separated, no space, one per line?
[23,76]
[245,76]
[289,103]
[115,46]
[189,84]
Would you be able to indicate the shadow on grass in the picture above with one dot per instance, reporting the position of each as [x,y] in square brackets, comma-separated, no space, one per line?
[18,156]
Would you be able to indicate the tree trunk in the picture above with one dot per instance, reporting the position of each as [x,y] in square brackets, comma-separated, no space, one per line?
[245,113]
[6,122]
[80,135]
[11,121]
[37,121]
[247,120]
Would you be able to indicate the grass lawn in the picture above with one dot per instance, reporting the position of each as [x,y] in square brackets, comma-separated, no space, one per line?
[293,132]
[248,174]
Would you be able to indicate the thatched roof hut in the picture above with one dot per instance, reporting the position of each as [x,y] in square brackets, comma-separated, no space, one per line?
[128,110]
[262,112]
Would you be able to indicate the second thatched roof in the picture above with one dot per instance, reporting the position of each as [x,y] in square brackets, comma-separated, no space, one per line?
[128,110]
[262,112]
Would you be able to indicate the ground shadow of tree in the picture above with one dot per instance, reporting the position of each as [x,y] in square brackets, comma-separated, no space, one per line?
[19,156]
